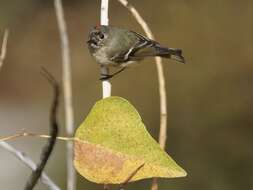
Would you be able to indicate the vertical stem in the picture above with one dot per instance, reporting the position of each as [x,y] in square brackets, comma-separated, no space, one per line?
[163,103]
[104,20]
[106,85]
[4,47]
[67,87]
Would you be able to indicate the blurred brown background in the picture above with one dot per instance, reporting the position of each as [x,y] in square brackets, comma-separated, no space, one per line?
[210,99]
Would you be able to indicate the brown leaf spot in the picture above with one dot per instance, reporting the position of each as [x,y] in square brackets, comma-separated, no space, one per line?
[95,158]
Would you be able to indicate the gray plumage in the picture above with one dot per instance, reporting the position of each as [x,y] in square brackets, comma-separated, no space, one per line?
[114,46]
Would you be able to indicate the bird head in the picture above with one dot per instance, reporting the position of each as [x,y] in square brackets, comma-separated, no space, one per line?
[97,36]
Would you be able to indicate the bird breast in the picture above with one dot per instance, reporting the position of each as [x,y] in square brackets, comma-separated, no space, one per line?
[101,57]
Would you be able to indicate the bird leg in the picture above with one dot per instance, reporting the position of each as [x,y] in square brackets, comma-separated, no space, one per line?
[108,76]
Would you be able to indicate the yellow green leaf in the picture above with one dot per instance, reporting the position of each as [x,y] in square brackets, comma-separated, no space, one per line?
[113,142]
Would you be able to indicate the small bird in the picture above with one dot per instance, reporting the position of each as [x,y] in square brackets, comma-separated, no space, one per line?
[118,47]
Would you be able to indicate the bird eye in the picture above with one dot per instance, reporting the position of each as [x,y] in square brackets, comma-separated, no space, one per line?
[101,36]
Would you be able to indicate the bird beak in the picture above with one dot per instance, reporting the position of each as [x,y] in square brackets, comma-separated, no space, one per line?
[89,41]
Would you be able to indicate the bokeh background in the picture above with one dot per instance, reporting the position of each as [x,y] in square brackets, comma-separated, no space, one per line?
[210,99]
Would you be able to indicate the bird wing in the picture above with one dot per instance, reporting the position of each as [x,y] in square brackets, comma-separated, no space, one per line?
[145,47]
[142,48]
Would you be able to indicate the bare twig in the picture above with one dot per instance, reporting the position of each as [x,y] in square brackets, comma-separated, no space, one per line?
[132,175]
[27,134]
[104,20]
[161,80]
[48,148]
[106,187]
[154,185]
[66,75]
[28,161]
[12,137]
[4,47]
[20,155]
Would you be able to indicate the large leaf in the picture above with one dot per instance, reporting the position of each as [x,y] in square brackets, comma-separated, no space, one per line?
[113,142]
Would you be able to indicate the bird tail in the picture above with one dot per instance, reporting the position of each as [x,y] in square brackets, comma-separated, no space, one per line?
[171,53]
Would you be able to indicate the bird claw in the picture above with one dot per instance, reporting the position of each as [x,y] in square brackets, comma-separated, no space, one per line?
[105,77]
[108,76]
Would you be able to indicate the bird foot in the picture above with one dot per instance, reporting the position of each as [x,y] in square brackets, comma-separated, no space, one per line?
[105,77]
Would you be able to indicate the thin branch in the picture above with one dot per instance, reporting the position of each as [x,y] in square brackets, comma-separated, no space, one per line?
[106,187]
[104,20]
[27,134]
[68,105]
[130,176]
[4,48]
[12,137]
[133,174]
[20,155]
[161,80]
[28,162]
[48,148]
[154,185]
[106,85]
